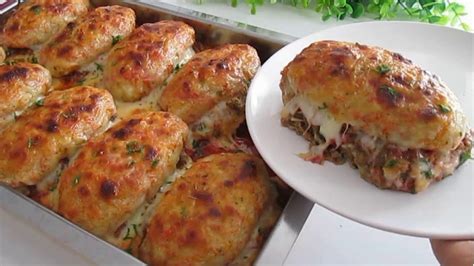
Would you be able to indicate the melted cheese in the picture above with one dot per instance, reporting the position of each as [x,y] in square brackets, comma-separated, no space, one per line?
[317,115]
[136,224]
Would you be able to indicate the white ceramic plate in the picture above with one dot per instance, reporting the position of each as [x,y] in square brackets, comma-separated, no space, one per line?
[445,209]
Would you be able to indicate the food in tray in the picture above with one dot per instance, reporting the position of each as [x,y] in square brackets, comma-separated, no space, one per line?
[21,85]
[85,39]
[209,92]
[213,215]
[113,158]
[117,172]
[144,60]
[36,21]
[401,126]
[45,135]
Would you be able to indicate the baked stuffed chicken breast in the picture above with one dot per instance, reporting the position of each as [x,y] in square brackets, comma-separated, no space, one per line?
[143,61]
[400,125]
[209,92]
[21,86]
[212,214]
[36,21]
[36,143]
[117,172]
[84,40]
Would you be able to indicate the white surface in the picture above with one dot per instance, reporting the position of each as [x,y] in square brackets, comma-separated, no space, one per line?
[445,209]
[321,242]
[329,239]
[22,244]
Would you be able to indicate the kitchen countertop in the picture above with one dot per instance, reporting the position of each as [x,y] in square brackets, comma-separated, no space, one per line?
[326,238]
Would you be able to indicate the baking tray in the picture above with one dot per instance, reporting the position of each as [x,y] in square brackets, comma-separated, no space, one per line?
[210,31]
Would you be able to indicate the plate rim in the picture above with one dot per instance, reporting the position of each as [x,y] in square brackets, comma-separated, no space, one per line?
[290,181]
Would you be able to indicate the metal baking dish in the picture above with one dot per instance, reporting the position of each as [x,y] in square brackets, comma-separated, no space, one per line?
[210,31]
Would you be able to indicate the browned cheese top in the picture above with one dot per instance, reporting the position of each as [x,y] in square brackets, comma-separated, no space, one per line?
[38,140]
[84,40]
[209,214]
[36,21]
[20,86]
[210,77]
[144,60]
[379,92]
[115,172]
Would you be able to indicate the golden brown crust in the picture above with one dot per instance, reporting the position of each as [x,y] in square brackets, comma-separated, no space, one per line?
[84,40]
[209,214]
[34,145]
[115,172]
[214,76]
[36,21]
[402,104]
[20,86]
[144,60]
[3,55]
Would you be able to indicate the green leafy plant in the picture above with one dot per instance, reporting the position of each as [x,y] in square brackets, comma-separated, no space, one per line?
[433,11]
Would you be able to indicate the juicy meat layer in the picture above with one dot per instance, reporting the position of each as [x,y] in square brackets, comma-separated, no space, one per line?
[84,40]
[20,86]
[36,21]
[209,214]
[143,61]
[383,164]
[40,138]
[118,171]
[209,92]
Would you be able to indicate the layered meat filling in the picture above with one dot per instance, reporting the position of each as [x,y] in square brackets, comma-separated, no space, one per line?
[385,164]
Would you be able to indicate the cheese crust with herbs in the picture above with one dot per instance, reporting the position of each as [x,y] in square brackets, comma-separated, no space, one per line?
[84,40]
[40,138]
[36,21]
[143,61]
[398,124]
[210,214]
[118,171]
[209,92]
[21,85]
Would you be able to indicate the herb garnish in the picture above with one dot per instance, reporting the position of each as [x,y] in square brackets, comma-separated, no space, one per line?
[183,212]
[391,163]
[177,67]
[382,69]
[464,157]
[36,9]
[34,60]
[54,186]
[134,147]
[390,91]
[76,179]
[154,163]
[200,127]
[81,81]
[31,142]
[39,102]
[116,39]
[324,106]
[99,67]
[428,174]
[128,234]
[444,108]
